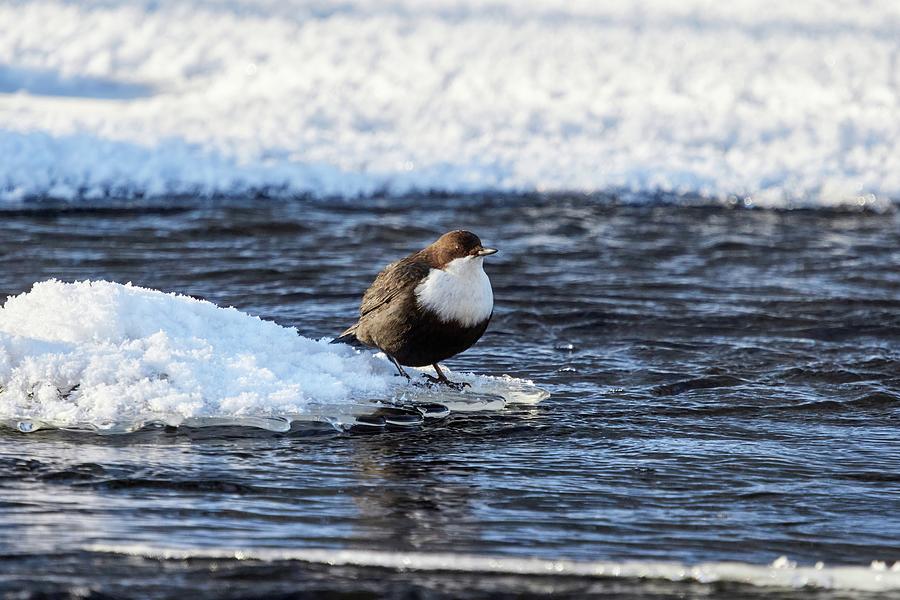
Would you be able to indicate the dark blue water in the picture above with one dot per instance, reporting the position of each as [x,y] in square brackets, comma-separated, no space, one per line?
[726,387]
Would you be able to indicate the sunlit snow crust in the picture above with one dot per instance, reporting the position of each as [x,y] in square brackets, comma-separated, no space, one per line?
[113,358]
[760,102]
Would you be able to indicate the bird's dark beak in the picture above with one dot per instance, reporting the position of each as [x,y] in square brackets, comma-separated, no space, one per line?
[486,252]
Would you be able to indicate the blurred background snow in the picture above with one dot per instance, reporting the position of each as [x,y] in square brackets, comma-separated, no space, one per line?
[773,102]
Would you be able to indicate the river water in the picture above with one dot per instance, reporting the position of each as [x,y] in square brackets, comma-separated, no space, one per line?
[725,388]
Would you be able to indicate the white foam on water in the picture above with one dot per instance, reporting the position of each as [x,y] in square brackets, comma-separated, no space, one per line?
[773,103]
[877,577]
[110,357]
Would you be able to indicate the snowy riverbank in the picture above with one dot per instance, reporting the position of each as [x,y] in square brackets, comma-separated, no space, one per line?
[779,103]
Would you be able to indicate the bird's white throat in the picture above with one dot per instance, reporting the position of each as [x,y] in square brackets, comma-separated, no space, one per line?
[460,292]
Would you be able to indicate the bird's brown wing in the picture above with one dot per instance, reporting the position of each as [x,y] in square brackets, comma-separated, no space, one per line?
[395,279]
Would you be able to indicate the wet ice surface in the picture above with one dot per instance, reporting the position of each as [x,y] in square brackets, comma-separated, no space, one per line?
[725,388]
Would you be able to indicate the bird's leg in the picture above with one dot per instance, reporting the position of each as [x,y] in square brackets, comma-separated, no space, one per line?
[396,364]
[442,379]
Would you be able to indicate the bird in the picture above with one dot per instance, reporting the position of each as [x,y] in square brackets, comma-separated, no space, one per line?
[428,306]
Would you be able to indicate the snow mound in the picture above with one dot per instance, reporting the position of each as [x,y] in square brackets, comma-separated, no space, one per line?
[104,353]
[762,102]
[112,358]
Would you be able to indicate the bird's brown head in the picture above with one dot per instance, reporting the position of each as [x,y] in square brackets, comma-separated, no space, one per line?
[456,244]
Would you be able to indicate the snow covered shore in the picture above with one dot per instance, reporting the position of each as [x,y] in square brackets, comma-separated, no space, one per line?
[778,102]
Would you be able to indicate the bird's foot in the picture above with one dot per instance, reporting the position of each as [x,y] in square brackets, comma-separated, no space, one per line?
[400,370]
[456,385]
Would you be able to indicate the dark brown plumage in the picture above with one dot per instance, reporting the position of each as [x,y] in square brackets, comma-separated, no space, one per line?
[428,306]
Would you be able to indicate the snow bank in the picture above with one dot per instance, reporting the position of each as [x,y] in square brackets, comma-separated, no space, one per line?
[114,355]
[777,101]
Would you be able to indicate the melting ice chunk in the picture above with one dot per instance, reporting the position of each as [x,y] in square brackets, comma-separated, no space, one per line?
[112,358]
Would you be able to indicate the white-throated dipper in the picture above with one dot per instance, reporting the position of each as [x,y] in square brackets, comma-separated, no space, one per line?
[429,306]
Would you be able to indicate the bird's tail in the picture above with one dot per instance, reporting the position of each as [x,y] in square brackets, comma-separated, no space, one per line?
[348,337]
